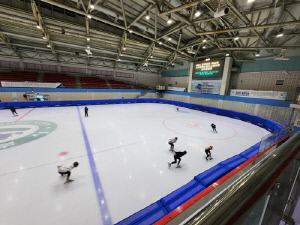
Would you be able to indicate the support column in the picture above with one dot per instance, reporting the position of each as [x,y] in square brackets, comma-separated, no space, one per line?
[226,75]
[190,77]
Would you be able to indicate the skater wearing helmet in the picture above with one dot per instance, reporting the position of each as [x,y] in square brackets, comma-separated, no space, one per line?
[177,155]
[171,142]
[208,153]
[66,169]
[213,126]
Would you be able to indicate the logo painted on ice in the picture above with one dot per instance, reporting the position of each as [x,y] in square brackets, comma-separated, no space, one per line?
[16,133]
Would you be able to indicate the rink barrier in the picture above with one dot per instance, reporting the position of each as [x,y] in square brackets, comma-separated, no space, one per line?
[202,183]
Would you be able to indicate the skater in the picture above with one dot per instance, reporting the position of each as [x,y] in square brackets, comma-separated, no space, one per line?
[66,169]
[86,112]
[213,126]
[208,153]
[13,110]
[171,142]
[177,155]
[177,109]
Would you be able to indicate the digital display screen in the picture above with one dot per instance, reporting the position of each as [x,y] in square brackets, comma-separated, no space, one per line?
[208,69]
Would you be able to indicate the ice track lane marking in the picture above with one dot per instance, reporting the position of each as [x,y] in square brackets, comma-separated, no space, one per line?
[106,218]
[68,159]
[25,114]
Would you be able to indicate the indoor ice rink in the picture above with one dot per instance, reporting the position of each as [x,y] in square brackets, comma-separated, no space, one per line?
[122,151]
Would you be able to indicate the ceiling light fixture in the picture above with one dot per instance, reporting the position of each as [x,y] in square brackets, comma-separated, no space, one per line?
[124,48]
[198,12]
[257,53]
[48,45]
[160,42]
[170,39]
[151,56]
[88,38]
[208,59]
[180,32]
[169,21]
[227,54]
[92,6]
[89,16]
[236,38]
[38,25]
[130,31]
[44,37]
[249,1]
[147,15]
[280,32]
[204,47]
[204,40]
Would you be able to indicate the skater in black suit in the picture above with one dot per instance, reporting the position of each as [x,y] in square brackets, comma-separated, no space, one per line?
[177,155]
[86,112]
[213,126]
[208,153]
[13,110]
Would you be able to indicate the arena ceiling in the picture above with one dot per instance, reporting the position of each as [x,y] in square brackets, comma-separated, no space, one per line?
[119,34]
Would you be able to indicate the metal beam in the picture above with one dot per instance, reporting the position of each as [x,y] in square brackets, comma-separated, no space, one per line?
[171,58]
[148,52]
[259,48]
[122,43]
[43,27]
[123,11]
[141,15]
[112,23]
[292,23]
[8,43]
[179,8]
[173,31]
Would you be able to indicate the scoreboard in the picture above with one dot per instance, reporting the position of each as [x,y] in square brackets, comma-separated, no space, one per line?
[208,69]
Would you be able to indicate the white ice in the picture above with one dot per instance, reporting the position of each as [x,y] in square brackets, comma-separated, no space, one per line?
[130,149]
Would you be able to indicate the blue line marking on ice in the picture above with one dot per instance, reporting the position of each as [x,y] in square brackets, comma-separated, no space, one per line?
[106,218]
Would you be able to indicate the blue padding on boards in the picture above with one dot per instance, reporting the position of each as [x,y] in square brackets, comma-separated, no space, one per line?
[179,192]
[215,176]
[250,152]
[269,125]
[247,117]
[260,121]
[183,198]
[233,162]
[143,214]
[206,173]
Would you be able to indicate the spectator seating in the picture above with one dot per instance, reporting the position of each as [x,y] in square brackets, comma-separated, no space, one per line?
[93,82]
[20,76]
[119,84]
[68,81]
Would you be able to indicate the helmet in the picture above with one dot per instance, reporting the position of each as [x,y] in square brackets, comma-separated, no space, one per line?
[75,164]
[176,138]
[211,147]
[185,152]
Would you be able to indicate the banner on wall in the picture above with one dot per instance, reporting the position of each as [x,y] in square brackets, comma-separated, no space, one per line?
[277,95]
[31,84]
[176,89]
[206,86]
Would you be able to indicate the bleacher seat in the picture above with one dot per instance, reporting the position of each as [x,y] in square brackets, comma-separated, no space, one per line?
[68,81]
[93,82]
[19,76]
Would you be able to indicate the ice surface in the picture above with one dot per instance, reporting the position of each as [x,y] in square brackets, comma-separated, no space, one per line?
[130,148]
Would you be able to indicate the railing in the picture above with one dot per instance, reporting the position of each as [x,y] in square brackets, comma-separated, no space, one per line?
[228,206]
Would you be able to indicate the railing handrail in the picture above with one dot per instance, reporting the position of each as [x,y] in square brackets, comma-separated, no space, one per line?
[226,207]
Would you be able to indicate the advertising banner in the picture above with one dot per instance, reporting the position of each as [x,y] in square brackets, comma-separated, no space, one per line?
[30,84]
[176,89]
[206,86]
[277,95]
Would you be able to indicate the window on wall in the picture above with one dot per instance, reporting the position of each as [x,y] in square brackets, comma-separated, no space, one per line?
[124,75]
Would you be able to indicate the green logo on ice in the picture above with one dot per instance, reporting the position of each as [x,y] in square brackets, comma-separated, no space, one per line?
[16,133]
